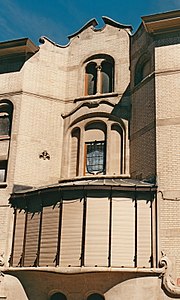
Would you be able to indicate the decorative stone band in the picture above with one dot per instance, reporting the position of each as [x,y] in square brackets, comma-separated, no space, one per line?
[168,283]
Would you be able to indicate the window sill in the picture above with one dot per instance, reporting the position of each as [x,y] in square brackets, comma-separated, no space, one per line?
[3,185]
[97,96]
[4,137]
[93,177]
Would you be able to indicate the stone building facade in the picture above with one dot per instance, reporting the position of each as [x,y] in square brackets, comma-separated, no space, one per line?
[89,164]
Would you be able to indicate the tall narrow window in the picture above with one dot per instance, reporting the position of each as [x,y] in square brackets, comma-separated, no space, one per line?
[95,148]
[75,148]
[95,157]
[4,124]
[5,118]
[107,77]
[6,109]
[91,79]
[143,68]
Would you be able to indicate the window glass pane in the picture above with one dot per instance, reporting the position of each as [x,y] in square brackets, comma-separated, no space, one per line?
[95,160]
[3,165]
[91,72]
[107,77]
[4,125]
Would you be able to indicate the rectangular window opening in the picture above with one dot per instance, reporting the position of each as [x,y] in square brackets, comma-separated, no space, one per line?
[95,157]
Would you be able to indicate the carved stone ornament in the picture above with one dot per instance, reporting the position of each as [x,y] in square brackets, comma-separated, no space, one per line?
[1,263]
[44,155]
[167,280]
[1,259]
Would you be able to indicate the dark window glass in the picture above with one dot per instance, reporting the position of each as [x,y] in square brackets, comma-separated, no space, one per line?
[58,296]
[95,159]
[3,168]
[95,297]
[107,77]
[4,125]
[91,73]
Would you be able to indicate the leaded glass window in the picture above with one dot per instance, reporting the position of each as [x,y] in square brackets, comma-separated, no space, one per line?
[95,158]
[4,124]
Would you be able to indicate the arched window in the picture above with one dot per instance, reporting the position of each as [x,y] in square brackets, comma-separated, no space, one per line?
[75,148]
[6,110]
[95,148]
[143,68]
[107,77]
[99,75]
[91,79]
[95,297]
[5,118]
[58,296]
[117,149]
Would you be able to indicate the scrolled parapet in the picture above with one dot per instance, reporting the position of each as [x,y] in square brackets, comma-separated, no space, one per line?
[168,282]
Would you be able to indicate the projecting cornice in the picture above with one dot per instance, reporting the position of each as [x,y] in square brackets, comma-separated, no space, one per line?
[163,22]
[24,45]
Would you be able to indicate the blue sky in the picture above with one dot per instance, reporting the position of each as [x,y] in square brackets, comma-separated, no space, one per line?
[57,19]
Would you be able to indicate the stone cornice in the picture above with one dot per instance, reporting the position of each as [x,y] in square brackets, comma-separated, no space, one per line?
[163,22]
[24,45]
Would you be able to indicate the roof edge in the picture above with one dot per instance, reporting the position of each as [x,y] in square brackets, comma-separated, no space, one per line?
[93,22]
[162,22]
[43,39]
[19,45]
[113,23]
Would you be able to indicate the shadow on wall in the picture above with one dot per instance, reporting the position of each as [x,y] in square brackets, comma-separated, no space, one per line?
[122,109]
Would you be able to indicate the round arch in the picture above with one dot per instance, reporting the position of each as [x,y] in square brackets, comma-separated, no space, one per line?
[58,296]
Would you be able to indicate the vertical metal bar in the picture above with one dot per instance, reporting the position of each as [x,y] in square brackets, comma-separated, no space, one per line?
[39,238]
[110,230]
[83,231]
[24,241]
[152,236]
[136,233]
[59,233]
[13,239]
[85,159]
[156,229]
